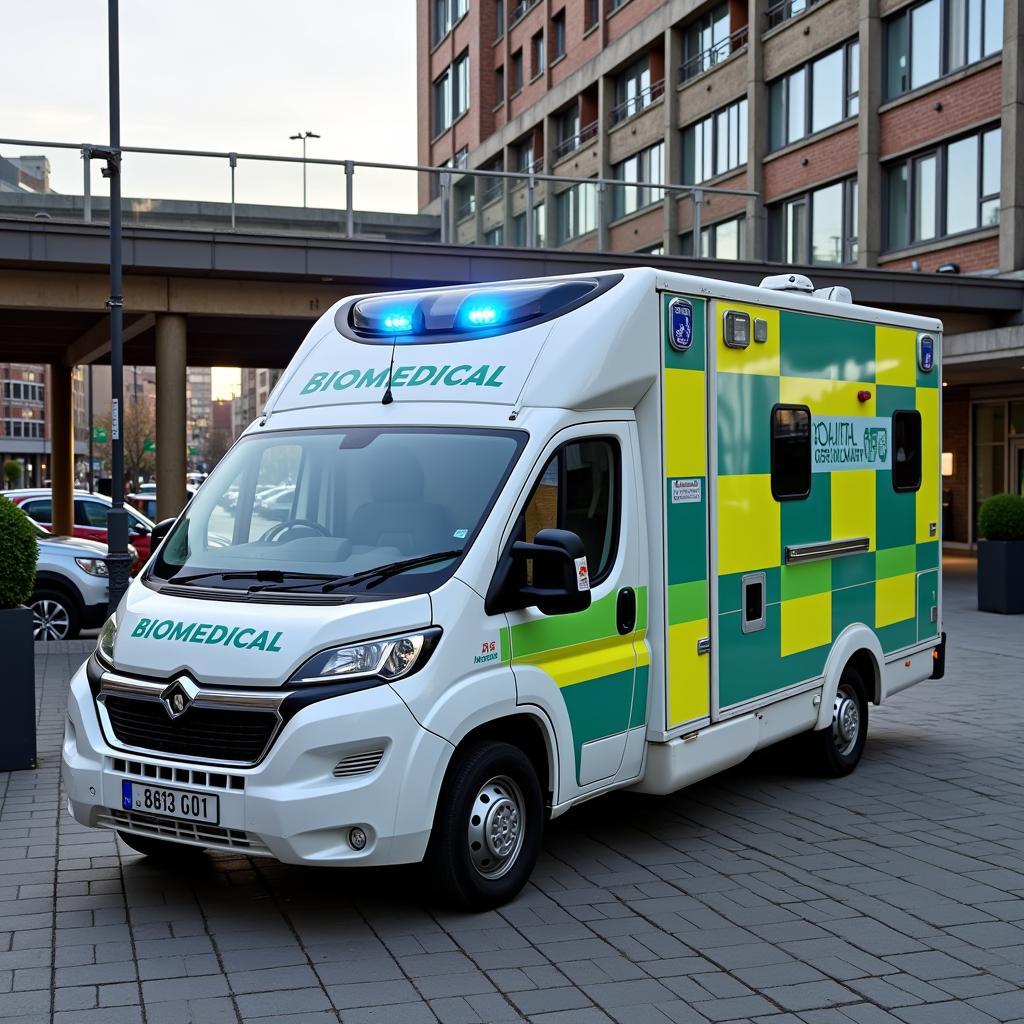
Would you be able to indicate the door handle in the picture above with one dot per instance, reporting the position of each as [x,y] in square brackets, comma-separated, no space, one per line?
[625,611]
[704,645]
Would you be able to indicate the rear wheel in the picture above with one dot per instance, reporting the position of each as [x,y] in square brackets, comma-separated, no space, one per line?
[54,616]
[835,751]
[159,849]
[488,827]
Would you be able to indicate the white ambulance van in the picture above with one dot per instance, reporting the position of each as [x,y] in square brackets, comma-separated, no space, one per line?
[494,550]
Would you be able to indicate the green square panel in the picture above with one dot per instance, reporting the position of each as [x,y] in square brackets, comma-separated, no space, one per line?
[889,398]
[795,668]
[745,403]
[895,561]
[827,347]
[853,604]
[898,635]
[695,357]
[804,580]
[729,589]
[895,513]
[749,664]
[687,537]
[853,570]
[809,519]
[928,555]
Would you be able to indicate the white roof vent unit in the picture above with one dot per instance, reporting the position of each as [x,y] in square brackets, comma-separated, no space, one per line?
[837,293]
[788,283]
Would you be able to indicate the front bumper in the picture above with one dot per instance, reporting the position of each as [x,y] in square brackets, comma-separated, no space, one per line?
[291,806]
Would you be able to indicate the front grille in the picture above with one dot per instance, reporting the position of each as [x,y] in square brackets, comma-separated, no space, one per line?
[209,733]
[358,764]
[187,776]
[194,832]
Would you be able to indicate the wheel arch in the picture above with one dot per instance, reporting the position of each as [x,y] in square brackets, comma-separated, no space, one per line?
[47,580]
[857,645]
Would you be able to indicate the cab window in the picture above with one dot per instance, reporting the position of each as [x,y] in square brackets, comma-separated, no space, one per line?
[580,490]
[791,452]
[906,450]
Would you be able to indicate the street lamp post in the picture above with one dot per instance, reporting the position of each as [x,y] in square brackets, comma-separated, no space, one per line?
[303,136]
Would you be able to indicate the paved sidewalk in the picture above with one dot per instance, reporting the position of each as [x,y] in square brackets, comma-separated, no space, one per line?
[892,895]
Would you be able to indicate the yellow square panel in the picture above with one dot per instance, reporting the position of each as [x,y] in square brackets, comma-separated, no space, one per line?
[853,504]
[688,683]
[749,524]
[895,599]
[806,622]
[896,356]
[757,357]
[827,397]
[685,404]
[927,502]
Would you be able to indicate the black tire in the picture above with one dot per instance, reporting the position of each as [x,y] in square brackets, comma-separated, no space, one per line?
[55,615]
[468,871]
[160,849]
[835,751]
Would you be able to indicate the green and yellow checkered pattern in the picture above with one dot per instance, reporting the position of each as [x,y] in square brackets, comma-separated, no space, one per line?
[823,363]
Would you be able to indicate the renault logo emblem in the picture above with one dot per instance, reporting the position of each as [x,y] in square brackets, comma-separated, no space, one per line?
[178,697]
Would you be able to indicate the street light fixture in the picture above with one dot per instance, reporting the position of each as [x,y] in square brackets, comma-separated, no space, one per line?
[303,136]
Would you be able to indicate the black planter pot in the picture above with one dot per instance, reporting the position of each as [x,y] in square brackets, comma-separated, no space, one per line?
[1001,576]
[17,691]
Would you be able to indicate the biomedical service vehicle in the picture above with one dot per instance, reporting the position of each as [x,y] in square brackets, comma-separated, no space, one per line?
[543,540]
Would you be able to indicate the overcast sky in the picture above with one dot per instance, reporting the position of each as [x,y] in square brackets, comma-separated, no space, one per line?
[225,75]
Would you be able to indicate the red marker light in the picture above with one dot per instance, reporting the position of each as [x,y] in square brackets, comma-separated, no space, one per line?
[863,396]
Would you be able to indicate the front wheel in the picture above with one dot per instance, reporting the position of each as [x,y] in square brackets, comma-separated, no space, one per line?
[488,827]
[836,750]
[54,616]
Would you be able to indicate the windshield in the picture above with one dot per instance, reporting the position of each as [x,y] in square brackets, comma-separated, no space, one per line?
[371,511]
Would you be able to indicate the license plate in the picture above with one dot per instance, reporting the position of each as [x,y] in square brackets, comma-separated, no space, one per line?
[170,803]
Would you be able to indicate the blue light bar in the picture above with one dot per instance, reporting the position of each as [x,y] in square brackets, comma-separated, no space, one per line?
[481,316]
[398,322]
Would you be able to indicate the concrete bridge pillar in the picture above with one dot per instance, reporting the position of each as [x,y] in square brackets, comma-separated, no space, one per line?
[62,448]
[171,439]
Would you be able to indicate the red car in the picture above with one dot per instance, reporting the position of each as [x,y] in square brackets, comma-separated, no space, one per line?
[90,517]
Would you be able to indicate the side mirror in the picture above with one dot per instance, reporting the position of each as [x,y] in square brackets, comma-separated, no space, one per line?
[160,530]
[561,577]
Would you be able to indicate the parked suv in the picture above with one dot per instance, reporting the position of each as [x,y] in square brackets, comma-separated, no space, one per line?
[71,586]
[90,517]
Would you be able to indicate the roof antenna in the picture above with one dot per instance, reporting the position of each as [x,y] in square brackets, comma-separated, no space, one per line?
[388,396]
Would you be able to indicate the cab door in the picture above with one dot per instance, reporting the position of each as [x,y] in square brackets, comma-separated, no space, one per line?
[582,666]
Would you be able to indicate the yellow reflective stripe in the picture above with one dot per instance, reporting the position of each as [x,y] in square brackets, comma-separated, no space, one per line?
[580,662]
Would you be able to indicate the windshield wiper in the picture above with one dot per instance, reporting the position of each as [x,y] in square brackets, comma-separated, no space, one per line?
[260,575]
[389,569]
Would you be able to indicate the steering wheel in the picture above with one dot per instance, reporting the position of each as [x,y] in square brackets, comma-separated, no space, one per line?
[280,529]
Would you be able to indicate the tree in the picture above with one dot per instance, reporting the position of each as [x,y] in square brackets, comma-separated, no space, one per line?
[217,444]
[12,472]
[139,425]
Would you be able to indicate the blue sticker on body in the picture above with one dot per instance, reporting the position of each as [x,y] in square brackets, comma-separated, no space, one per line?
[927,353]
[126,795]
[680,315]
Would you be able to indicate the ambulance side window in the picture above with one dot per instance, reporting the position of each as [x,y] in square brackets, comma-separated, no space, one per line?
[906,450]
[579,490]
[791,452]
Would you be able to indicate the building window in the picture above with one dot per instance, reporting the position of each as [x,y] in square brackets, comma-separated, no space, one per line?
[445,13]
[658,249]
[906,450]
[495,236]
[646,166]
[499,85]
[814,96]
[935,38]
[791,452]
[716,144]
[517,72]
[706,42]
[558,35]
[519,227]
[946,190]
[451,94]
[537,53]
[499,18]
[634,90]
[724,240]
[524,155]
[576,212]
[591,14]
[817,227]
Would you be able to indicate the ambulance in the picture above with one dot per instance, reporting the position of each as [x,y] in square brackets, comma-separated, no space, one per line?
[496,549]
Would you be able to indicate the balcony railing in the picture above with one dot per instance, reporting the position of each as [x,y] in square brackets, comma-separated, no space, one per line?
[569,145]
[707,59]
[786,9]
[641,101]
[203,195]
[520,9]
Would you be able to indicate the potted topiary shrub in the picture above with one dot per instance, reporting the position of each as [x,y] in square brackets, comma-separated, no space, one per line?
[12,472]
[18,553]
[1001,555]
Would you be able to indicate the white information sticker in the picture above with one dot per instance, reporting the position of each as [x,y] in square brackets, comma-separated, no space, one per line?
[686,490]
[582,574]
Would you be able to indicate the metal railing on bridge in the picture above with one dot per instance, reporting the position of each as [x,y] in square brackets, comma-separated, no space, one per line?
[463,194]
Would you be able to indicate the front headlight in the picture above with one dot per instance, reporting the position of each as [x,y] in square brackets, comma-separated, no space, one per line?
[105,642]
[387,660]
[93,566]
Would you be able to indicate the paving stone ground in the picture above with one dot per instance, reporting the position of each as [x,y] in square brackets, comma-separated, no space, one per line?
[896,894]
